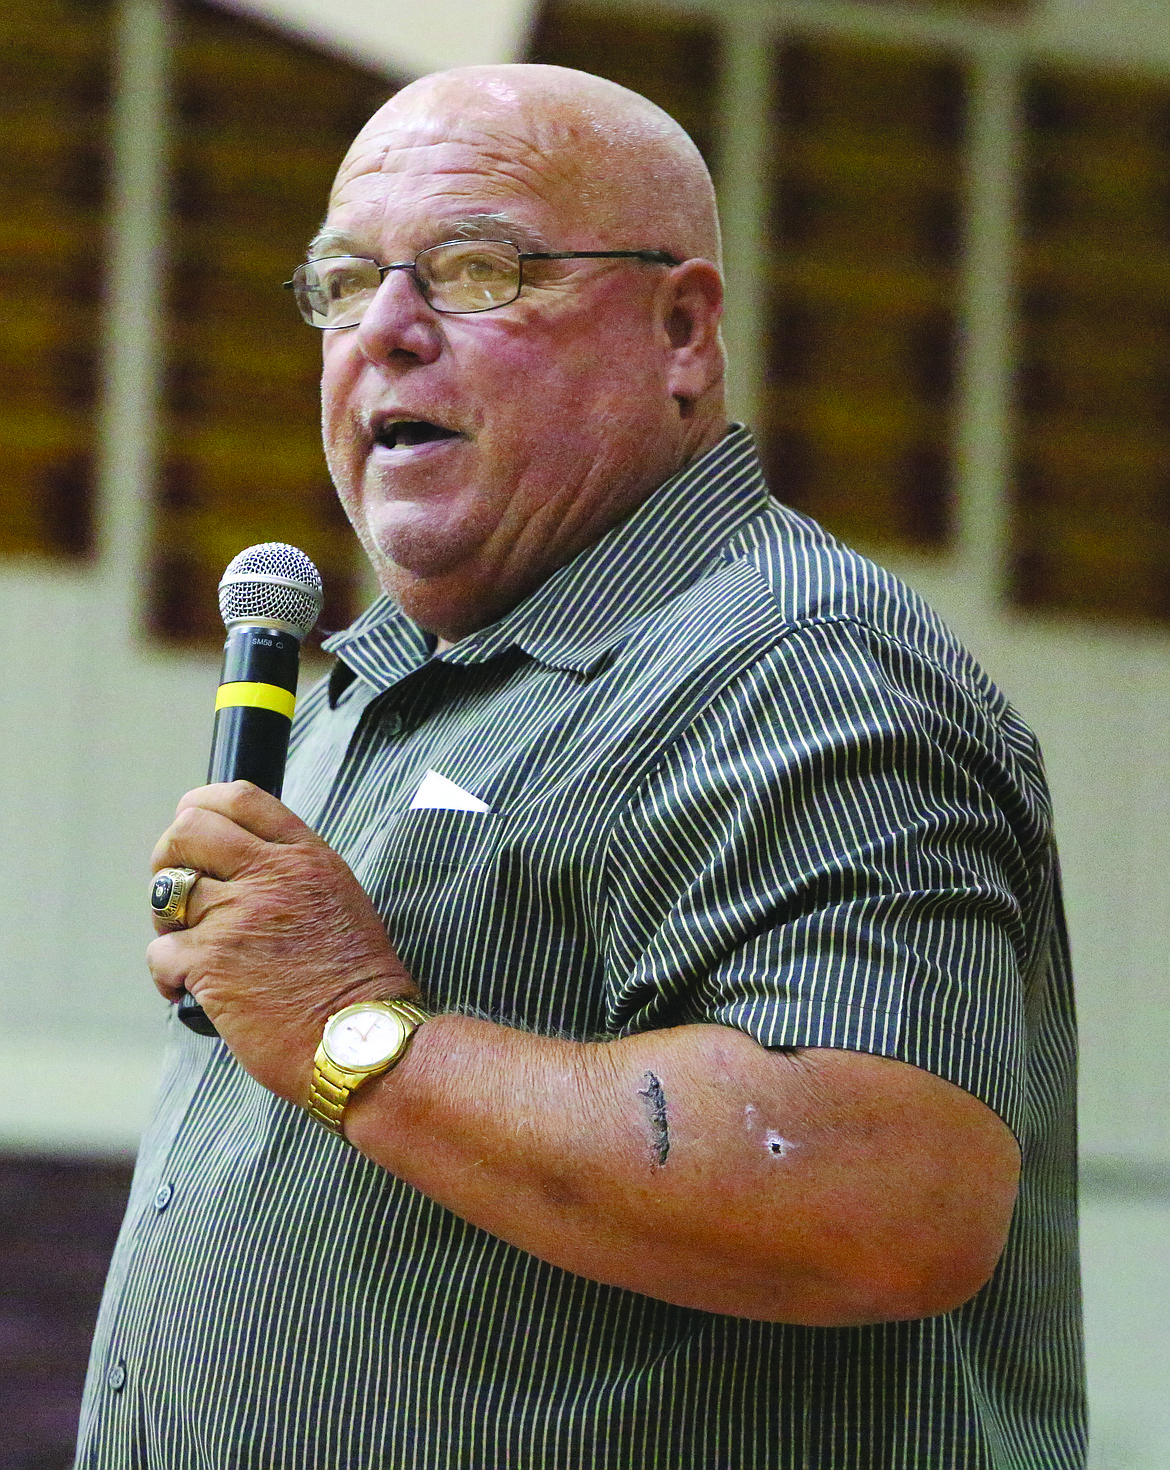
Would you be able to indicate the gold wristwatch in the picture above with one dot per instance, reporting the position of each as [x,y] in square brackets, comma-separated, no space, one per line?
[359,1042]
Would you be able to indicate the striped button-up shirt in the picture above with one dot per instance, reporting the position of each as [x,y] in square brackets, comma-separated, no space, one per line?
[718,768]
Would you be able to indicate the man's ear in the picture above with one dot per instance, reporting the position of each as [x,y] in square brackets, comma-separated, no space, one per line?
[693,308]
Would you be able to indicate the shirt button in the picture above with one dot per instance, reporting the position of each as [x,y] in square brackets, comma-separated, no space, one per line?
[116,1377]
[163,1195]
[393,726]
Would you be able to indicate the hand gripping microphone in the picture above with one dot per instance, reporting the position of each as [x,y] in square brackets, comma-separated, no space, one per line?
[269,598]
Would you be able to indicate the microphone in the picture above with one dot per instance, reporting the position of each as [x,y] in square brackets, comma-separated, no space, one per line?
[269,598]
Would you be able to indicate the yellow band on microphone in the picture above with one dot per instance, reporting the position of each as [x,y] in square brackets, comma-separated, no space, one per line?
[257,696]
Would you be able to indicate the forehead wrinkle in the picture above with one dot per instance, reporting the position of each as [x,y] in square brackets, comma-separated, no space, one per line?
[479,157]
[553,160]
[488,159]
[386,139]
[459,206]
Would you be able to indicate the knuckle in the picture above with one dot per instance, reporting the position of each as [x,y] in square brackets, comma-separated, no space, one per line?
[245,804]
[186,820]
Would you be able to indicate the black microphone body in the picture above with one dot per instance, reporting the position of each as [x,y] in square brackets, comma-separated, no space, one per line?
[258,682]
[253,709]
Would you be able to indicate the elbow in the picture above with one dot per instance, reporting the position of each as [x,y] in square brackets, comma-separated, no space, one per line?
[930,1245]
[910,1278]
[935,1286]
[903,1256]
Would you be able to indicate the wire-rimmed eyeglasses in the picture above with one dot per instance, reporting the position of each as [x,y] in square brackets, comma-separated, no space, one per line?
[456,277]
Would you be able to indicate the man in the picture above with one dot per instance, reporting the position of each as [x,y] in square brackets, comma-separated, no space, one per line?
[706,885]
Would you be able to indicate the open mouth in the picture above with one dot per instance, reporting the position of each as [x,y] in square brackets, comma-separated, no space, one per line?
[407,433]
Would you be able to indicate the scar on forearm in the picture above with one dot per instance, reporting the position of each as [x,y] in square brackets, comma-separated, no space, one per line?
[655,1100]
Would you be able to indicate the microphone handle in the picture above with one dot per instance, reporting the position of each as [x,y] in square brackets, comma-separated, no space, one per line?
[253,718]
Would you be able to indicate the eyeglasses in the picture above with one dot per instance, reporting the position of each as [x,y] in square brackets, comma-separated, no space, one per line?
[454,278]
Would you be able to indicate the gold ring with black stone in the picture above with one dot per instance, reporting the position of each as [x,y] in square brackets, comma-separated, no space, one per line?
[170,888]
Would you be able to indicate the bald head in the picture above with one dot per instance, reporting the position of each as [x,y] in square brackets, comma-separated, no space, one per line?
[603,155]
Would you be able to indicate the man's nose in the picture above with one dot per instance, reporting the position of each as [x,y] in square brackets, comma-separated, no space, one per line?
[398,322]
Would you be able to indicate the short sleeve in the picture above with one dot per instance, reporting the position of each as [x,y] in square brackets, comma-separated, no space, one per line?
[849,848]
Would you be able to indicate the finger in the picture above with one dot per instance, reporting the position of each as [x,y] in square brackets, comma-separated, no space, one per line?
[168,965]
[256,811]
[206,894]
[206,840]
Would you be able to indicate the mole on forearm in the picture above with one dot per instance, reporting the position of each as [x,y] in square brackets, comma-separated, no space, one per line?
[655,1100]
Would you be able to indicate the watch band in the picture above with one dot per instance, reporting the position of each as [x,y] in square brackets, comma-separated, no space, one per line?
[332,1085]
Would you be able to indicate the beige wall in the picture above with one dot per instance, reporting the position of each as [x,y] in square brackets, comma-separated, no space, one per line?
[403,37]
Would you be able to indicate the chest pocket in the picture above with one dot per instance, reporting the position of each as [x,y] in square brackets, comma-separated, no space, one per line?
[421,848]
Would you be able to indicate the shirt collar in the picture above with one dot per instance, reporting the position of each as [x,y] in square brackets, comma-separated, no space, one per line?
[575,617]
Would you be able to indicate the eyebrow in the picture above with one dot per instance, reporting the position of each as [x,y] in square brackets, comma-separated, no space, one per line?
[498,227]
[329,241]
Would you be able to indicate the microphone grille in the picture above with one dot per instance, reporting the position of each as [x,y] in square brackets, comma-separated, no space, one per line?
[271,583]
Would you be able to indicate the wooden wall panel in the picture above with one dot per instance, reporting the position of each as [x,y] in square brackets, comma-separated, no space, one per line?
[260,124]
[59,1220]
[53,187]
[866,234]
[1091,504]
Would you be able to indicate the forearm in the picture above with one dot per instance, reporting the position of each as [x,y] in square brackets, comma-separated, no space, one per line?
[696,1167]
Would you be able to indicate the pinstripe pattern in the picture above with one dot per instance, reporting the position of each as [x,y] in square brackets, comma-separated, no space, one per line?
[736,774]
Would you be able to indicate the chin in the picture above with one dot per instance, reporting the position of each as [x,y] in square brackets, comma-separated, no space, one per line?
[426,540]
[419,574]
[421,558]
[451,612]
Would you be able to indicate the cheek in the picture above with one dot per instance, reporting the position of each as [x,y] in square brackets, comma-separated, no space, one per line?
[332,396]
[583,416]
[338,433]
[563,395]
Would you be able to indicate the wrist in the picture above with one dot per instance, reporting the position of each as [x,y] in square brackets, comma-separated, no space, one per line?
[359,1042]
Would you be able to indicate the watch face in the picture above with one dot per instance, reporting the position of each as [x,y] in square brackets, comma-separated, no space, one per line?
[364,1036]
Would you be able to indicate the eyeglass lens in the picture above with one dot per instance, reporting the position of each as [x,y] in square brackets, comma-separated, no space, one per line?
[469,276]
[458,276]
